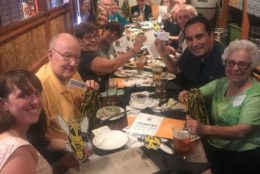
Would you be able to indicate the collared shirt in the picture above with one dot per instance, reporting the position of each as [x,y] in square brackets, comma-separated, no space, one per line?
[195,73]
[59,99]
[230,111]
[141,12]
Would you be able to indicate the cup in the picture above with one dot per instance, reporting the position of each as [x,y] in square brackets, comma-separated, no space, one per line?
[157,73]
[160,90]
[140,62]
[111,91]
[134,19]
[181,141]
[139,97]
[128,30]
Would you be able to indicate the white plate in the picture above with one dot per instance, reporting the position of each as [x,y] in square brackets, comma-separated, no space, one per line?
[108,111]
[130,65]
[125,73]
[110,140]
[150,102]
[154,62]
[168,76]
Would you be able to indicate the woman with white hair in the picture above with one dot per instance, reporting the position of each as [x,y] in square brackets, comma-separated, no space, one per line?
[183,13]
[233,136]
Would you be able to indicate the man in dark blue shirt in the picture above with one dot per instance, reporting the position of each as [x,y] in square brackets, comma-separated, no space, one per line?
[201,62]
[141,11]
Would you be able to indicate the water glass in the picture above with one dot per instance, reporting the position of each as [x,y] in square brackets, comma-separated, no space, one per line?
[111,91]
[160,90]
[140,62]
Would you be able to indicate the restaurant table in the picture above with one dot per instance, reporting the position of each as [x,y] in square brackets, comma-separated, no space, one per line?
[168,163]
[197,160]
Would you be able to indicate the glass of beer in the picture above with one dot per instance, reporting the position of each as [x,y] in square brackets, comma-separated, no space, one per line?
[157,73]
[140,62]
[181,142]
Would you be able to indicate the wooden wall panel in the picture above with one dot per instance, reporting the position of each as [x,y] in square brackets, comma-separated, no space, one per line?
[58,25]
[25,47]
[68,24]
[39,42]
[22,52]
[7,57]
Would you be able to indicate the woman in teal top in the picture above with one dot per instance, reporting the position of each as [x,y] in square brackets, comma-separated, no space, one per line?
[115,15]
[233,135]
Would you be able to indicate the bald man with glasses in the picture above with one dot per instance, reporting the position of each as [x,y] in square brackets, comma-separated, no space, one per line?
[58,97]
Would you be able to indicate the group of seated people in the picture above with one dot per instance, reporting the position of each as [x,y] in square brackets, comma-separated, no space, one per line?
[104,11]
[223,75]
[178,12]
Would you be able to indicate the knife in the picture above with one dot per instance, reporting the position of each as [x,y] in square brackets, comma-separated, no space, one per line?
[166,149]
[112,116]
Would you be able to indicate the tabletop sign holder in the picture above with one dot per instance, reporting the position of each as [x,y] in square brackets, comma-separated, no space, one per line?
[76,135]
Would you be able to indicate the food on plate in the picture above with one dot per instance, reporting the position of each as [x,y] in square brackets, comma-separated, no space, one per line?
[108,111]
[171,102]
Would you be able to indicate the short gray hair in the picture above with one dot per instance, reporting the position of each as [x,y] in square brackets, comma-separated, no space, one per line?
[244,45]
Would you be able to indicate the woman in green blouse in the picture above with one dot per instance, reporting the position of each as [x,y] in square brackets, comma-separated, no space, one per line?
[233,136]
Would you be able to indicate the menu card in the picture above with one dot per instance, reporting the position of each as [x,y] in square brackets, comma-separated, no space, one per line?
[162,11]
[147,124]
[123,44]
[149,43]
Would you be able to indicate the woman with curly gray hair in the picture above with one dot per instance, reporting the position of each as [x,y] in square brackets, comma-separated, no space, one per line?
[233,134]
[250,47]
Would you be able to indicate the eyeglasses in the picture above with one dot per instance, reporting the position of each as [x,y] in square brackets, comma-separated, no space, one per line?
[241,65]
[66,56]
